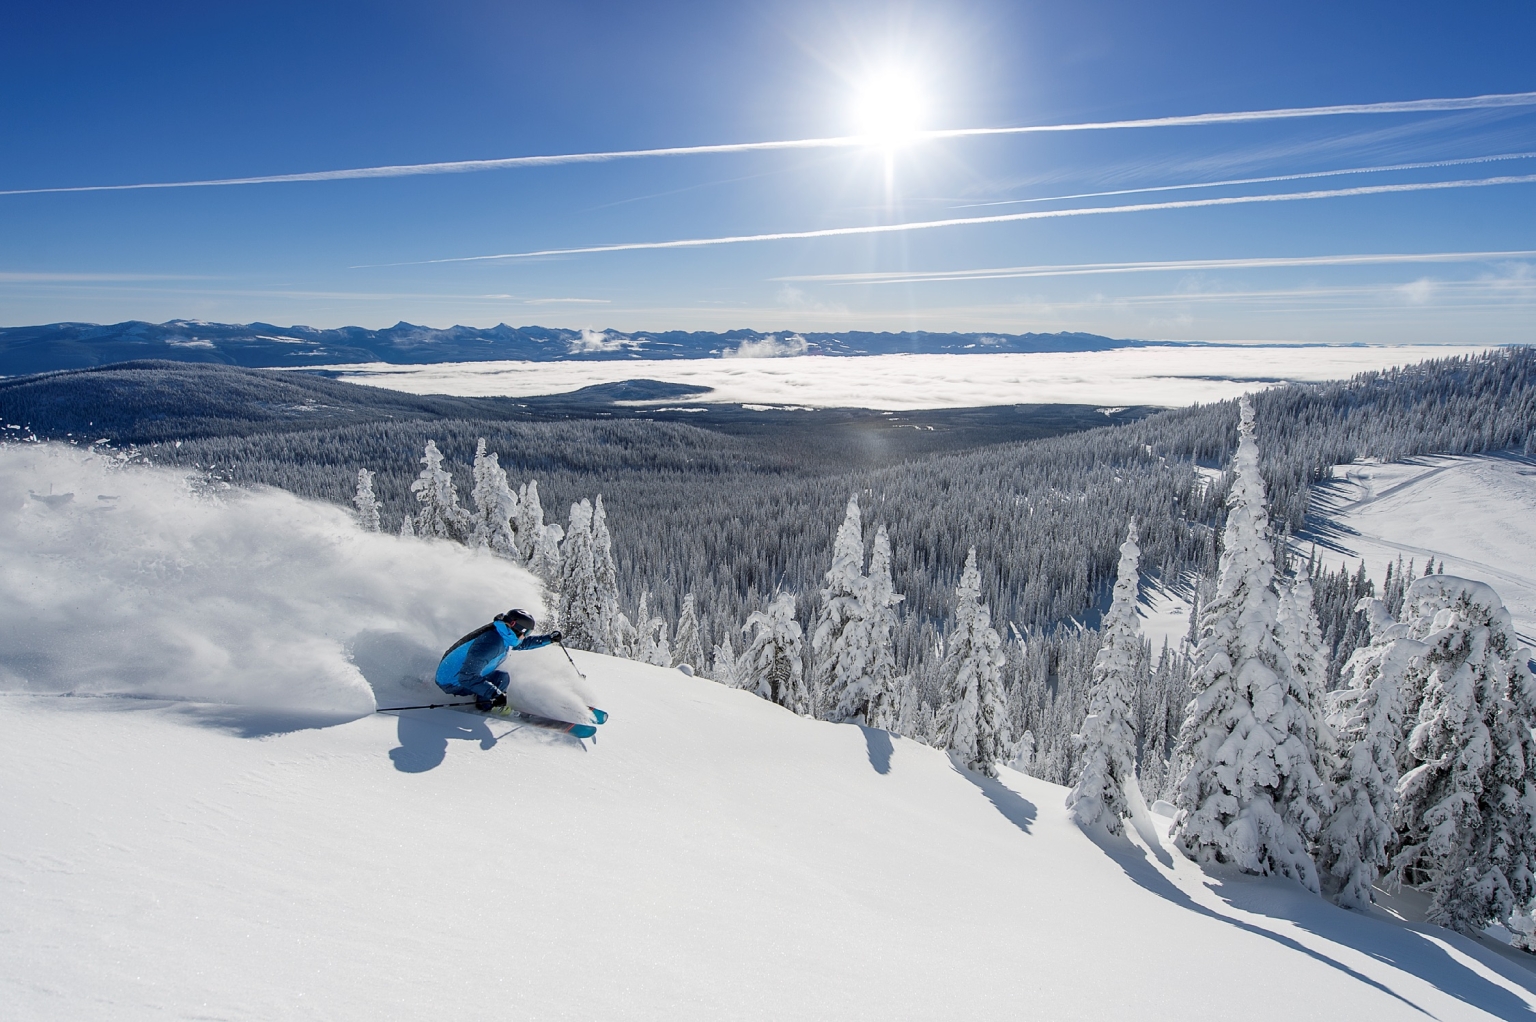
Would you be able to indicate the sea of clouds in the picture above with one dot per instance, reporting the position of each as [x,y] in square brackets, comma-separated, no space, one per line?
[1165,375]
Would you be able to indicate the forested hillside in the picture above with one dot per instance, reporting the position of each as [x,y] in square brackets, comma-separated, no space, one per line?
[732,520]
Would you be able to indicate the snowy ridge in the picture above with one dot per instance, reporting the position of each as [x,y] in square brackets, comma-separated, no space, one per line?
[1475,516]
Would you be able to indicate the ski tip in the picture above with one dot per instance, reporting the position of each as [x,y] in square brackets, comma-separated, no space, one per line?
[600,716]
[581,730]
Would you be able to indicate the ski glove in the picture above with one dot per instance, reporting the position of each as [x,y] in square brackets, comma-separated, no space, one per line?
[554,636]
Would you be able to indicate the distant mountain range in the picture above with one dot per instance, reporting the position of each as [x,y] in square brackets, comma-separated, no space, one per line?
[36,349]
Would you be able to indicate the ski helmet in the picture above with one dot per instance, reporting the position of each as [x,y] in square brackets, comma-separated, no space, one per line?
[520,621]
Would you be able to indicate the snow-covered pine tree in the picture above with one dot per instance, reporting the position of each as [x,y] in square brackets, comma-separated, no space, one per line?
[840,637]
[407,527]
[607,574]
[773,665]
[626,637]
[973,723]
[495,506]
[1466,803]
[1107,768]
[440,517]
[545,562]
[1243,743]
[578,605]
[880,599]
[655,647]
[1305,804]
[366,503]
[1024,753]
[1368,715]
[530,521]
[724,669]
[689,647]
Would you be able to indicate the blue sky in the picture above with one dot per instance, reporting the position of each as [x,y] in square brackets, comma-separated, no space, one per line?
[156,93]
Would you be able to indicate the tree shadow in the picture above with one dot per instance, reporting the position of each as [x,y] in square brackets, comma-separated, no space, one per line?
[1388,942]
[877,745]
[1421,949]
[1016,809]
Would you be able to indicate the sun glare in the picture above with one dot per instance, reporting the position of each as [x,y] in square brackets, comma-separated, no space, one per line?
[889,107]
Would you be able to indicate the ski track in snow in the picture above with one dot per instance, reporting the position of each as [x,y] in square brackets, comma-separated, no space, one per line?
[1165,376]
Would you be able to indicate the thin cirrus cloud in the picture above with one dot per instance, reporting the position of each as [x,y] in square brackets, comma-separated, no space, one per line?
[1160,266]
[1517,99]
[1000,218]
[1309,175]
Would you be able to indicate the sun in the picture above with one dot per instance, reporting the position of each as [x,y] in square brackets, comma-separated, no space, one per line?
[889,107]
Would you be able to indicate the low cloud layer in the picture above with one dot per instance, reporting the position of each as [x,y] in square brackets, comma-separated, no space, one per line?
[769,347]
[596,341]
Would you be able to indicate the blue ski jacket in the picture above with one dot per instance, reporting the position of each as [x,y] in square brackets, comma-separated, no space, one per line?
[468,666]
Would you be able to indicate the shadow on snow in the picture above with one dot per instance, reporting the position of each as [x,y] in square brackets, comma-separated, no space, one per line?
[1403,947]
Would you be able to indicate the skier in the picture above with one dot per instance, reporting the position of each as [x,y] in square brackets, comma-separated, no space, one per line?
[470,667]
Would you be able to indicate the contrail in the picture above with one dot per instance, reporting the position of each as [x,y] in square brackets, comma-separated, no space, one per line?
[1513,99]
[1428,165]
[1164,266]
[1000,218]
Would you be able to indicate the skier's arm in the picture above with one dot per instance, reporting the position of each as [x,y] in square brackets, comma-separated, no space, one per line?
[535,641]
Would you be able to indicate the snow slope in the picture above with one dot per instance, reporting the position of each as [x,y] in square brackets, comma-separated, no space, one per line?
[1169,376]
[1474,515]
[708,856]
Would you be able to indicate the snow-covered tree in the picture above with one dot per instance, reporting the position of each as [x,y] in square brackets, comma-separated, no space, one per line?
[1024,753]
[1466,802]
[1354,844]
[973,722]
[1250,795]
[880,600]
[626,637]
[724,670]
[1107,768]
[773,664]
[1307,659]
[407,527]
[545,562]
[367,505]
[655,647]
[530,521]
[579,607]
[440,517]
[840,636]
[689,645]
[495,506]
[1307,685]
[606,573]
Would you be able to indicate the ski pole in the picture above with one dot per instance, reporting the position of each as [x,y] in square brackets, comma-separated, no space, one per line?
[424,706]
[568,657]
